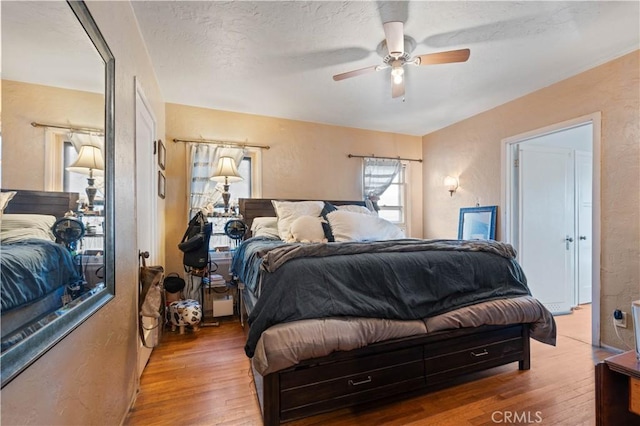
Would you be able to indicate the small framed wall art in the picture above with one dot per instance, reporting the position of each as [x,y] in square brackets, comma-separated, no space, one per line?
[162,185]
[162,155]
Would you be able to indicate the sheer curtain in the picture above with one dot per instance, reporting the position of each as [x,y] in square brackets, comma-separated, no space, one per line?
[201,163]
[378,175]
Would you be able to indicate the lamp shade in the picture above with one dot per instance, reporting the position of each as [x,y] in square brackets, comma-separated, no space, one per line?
[89,159]
[451,183]
[226,170]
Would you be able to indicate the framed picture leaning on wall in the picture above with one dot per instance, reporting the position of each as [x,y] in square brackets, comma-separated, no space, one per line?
[477,223]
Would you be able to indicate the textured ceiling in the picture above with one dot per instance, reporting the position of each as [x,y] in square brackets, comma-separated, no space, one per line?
[278,58]
[43,43]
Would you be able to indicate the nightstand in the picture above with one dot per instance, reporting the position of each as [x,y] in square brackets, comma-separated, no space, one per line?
[618,390]
[219,300]
[93,240]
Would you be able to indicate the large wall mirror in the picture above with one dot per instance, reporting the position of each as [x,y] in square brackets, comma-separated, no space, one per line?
[57,164]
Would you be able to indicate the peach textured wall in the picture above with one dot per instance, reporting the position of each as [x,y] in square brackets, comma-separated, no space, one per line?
[90,377]
[471,149]
[306,161]
[23,144]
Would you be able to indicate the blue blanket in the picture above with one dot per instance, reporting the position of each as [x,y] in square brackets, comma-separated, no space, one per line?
[31,269]
[404,285]
[246,260]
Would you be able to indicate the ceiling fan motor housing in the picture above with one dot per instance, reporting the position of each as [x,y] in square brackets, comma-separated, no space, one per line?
[387,58]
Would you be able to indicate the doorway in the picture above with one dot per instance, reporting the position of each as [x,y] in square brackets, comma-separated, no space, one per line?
[551,180]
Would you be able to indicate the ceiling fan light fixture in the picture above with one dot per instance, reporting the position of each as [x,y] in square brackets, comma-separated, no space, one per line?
[397,72]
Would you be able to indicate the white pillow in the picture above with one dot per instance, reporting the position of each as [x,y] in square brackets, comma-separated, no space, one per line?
[350,226]
[5,197]
[288,211]
[265,227]
[356,209]
[264,222]
[16,227]
[307,229]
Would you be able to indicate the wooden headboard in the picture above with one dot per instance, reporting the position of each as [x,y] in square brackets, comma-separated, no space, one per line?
[42,202]
[262,207]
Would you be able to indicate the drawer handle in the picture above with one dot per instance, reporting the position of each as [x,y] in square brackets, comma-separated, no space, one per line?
[361,382]
[483,353]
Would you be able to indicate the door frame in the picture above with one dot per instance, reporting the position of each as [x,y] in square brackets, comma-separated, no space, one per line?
[156,250]
[509,209]
[157,255]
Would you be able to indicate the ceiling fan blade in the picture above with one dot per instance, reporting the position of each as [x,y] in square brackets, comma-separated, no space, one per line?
[355,73]
[394,33]
[444,57]
[397,89]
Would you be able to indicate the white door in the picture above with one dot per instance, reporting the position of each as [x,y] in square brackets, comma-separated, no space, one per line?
[146,207]
[546,224]
[584,179]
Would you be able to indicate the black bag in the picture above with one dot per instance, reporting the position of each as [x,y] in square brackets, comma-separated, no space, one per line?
[195,242]
[173,283]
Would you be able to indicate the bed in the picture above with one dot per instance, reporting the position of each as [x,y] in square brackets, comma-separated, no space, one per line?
[35,271]
[333,325]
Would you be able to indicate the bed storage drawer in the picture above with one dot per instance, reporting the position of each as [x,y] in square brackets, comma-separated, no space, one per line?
[473,354]
[324,387]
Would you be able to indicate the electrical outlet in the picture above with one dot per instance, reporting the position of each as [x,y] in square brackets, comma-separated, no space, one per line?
[621,322]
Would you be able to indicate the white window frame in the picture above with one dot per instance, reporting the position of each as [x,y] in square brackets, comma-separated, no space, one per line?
[403,207]
[54,159]
[256,171]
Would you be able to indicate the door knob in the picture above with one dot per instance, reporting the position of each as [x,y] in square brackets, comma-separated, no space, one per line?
[583,237]
[568,240]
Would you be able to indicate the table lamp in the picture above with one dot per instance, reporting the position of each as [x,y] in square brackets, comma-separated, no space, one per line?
[89,161]
[226,172]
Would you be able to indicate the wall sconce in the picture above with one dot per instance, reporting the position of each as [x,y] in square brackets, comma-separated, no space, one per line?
[226,172]
[452,184]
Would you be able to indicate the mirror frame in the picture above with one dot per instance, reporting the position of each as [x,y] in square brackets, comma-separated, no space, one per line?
[16,359]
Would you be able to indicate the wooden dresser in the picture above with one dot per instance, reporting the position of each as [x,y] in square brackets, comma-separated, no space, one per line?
[618,390]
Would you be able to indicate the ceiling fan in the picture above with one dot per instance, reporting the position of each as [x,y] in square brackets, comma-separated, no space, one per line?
[395,51]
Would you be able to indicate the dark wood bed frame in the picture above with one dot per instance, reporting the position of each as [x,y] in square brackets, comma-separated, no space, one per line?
[385,369]
[42,202]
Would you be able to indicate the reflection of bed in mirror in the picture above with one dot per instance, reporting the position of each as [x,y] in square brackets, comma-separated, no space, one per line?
[37,274]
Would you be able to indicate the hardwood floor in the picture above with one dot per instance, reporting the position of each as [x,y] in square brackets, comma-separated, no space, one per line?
[203,378]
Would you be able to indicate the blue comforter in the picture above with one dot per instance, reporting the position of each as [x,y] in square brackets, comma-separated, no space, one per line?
[31,269]
[402,285]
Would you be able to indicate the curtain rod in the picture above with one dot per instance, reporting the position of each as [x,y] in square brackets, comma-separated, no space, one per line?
[83,130]
[241,144]
[419,160]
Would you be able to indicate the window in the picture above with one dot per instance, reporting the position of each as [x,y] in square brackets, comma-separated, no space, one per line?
[392,201]
[384,184]
[71,182]
[241,189]
[78,181]
[206,194]
[238,190]
[61,151]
